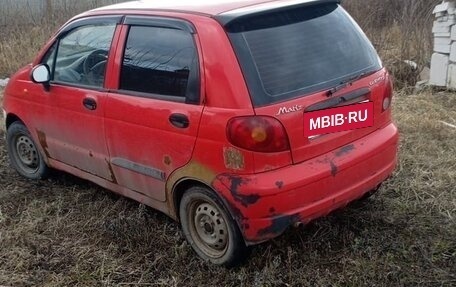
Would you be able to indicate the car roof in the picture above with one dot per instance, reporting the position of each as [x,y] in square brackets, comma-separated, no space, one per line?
[208,7]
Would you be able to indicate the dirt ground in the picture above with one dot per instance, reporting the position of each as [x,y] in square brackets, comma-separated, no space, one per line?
[67,232]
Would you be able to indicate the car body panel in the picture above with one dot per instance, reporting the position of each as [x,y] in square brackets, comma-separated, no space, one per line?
[140,136]
[266,204]
[144,147]
[77,137]
[128,145]
[304,147]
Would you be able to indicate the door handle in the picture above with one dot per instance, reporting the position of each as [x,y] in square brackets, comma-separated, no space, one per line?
[179,121]
[89,104]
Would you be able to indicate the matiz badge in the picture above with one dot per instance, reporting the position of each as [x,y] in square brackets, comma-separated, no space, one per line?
[287,110]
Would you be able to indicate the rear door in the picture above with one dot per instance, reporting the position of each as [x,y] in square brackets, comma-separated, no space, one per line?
[307,58]
[153,111]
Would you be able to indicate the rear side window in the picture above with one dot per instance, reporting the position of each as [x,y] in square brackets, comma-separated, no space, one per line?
[159,61]
[292,53]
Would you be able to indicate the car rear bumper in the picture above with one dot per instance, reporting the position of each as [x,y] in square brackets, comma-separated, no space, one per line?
[266,204]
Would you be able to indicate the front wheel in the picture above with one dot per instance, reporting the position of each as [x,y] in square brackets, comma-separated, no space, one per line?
[209,228]
[23,153]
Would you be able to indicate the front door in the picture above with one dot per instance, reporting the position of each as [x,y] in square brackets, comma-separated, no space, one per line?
[72,126]
[153,115]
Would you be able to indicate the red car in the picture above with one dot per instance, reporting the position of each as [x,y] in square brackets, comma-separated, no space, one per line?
[238,119]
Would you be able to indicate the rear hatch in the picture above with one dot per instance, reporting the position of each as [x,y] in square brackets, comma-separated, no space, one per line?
[308,57]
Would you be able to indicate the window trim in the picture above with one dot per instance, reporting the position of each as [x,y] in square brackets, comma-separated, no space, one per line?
[194,79]
[150,96]
[159,22]
[55,45]
[80,86]
[91,20]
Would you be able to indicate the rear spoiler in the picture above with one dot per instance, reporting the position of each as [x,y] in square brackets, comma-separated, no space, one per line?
[226,18]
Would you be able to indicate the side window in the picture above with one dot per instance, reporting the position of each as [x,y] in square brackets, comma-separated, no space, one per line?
[160,61]
[82,55]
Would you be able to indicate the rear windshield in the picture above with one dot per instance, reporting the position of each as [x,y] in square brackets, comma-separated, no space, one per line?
[293,53]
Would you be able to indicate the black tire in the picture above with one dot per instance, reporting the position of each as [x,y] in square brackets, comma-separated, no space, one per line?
[24,154]
[210,229]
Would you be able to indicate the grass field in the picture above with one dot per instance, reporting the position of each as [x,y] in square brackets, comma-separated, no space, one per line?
[68,232]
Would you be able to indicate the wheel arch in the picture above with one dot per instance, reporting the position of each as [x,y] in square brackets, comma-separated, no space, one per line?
[11,118]
[234,253]
[184,184]
[35,165]
[180,188]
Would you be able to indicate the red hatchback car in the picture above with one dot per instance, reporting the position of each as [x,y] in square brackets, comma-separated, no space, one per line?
[238,119]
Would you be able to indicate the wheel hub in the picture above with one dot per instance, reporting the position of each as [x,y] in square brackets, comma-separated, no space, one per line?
[27,152]
[211,227]
[208,228]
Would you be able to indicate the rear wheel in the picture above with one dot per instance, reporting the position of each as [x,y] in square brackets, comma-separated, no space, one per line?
[23,153]
[209,228]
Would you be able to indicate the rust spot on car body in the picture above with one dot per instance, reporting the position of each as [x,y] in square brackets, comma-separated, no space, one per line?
[192,170]
[43,142]
[237,213]
[234,184]
[334,168]
[345,150]
[167,160]
[245,200]
[111,172]
[234,159]
[278,226]
[279,184]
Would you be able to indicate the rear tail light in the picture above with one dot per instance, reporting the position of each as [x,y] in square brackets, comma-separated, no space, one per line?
[258,133]
[388,96]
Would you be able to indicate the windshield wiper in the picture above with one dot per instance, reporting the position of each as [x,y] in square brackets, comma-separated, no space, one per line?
[347,82]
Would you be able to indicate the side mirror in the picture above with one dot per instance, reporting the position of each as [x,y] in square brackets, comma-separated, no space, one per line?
[41,75]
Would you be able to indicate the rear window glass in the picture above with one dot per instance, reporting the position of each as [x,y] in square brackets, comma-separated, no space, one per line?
[292,53]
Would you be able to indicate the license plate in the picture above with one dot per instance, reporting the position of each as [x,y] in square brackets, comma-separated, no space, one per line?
[339,119]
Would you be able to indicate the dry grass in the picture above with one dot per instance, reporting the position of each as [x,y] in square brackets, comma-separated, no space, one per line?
[20,42]
[400,30]
[65,231]
[68,232]
[18,47]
